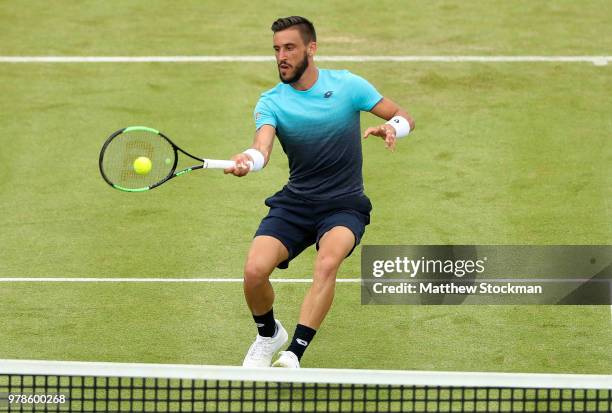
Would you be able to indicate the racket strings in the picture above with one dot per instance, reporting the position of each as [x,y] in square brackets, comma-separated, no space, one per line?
[125,148]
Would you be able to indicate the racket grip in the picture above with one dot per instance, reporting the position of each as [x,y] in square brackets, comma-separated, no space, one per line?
[221,164]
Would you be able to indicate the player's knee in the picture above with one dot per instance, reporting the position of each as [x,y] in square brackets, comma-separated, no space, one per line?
[326,267]
[255,273]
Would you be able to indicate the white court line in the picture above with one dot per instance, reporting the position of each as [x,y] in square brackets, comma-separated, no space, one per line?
[161,280]
[170,280]
[596,60]
[282,280]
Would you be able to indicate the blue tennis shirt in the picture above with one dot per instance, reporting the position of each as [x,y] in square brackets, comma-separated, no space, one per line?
[319,131]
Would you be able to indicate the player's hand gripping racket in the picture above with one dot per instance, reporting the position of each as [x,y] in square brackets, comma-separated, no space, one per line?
[138,158]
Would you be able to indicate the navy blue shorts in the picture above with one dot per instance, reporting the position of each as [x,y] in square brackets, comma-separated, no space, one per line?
[299,223]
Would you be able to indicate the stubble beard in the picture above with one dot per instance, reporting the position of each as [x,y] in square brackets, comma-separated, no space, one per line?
[299,71]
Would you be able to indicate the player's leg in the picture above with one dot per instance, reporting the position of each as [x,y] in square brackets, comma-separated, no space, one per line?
[334,246]
[265,254]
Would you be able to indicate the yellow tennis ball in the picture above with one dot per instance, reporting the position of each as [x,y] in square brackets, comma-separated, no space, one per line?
[142,165]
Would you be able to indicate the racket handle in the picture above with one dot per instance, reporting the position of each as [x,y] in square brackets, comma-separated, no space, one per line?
[221,164]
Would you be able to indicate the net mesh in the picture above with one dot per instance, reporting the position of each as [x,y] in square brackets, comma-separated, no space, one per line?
[121,152]
[67,393]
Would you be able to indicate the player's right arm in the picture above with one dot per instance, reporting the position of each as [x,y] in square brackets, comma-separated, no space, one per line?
[263,142]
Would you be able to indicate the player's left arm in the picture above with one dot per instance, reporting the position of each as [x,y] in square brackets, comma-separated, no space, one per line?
[390,111]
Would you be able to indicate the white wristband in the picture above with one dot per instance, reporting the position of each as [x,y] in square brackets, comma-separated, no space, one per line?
[401,126]
[258,159]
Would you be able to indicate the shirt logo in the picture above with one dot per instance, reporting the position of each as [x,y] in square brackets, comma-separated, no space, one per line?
[328,94]
[257,116]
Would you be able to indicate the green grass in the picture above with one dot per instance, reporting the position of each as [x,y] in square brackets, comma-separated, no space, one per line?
[195,323]
[138,27]
[502,154]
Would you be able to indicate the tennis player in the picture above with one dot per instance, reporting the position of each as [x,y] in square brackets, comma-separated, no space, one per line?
[315,114]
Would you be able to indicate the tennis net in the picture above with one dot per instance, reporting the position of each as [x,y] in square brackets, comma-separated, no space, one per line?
[53,386]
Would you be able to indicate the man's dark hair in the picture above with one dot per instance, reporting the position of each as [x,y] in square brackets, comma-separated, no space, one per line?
[307,30]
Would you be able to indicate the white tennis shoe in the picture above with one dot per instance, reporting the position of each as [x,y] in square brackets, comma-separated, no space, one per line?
[287,360]
[264,348]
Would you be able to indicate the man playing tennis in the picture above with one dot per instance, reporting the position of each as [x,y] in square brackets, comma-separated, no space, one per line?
[315,114]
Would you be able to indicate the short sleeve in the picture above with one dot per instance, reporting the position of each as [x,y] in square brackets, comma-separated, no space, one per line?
[365,96]
[263,115]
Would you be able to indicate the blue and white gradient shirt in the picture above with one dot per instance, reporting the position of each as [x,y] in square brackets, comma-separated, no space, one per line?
[319,131]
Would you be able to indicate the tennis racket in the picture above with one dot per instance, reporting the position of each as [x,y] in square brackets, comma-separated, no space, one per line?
[138,159]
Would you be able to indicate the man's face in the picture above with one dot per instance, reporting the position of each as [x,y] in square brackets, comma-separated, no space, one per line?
[291,55]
